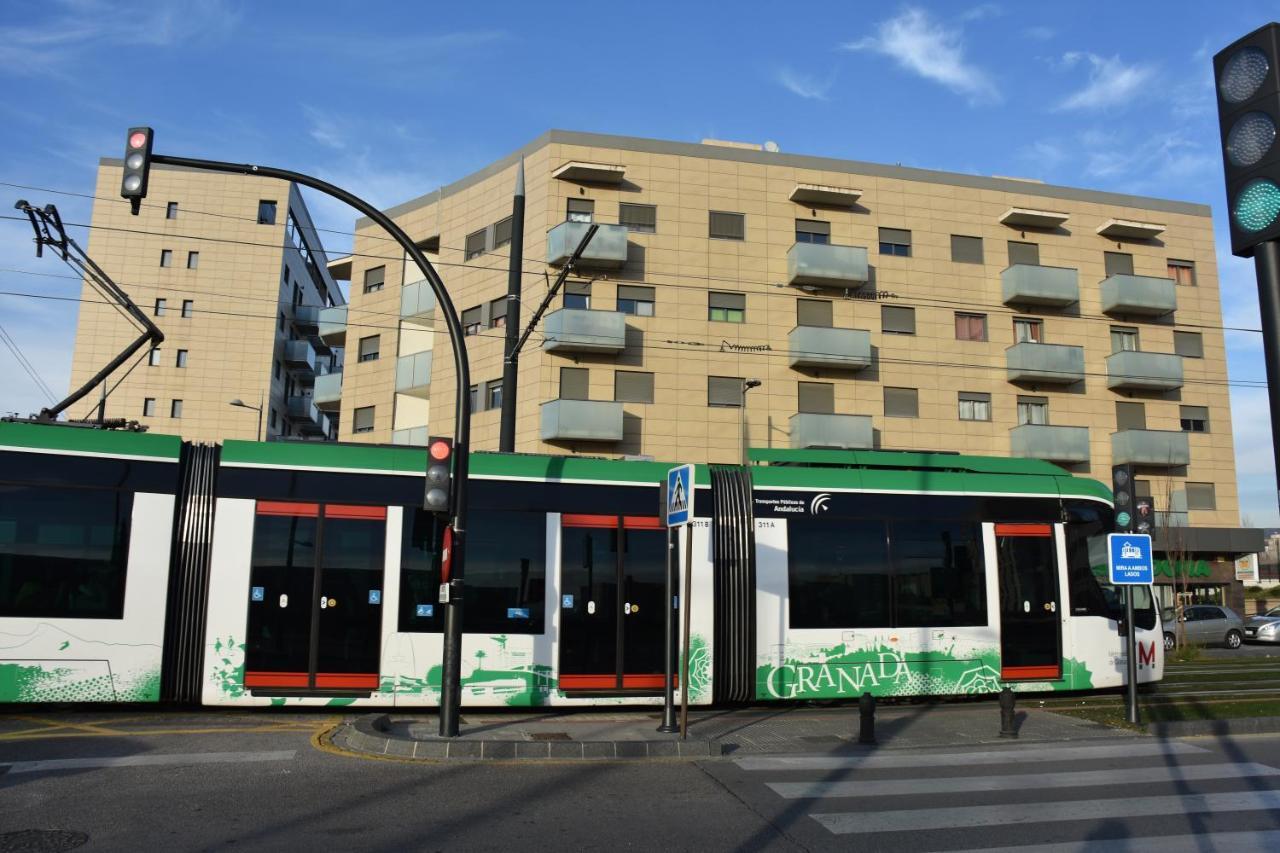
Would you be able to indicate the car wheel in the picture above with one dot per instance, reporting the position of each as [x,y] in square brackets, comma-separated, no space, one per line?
[1233,639]
[1169,642]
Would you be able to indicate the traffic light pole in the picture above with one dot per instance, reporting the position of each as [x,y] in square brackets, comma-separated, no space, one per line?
[1266,259]
[451,687]
[511,356]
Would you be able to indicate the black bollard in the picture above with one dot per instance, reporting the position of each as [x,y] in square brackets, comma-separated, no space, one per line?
[1007,727]
[867,719]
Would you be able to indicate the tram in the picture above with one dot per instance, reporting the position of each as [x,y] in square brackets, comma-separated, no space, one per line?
[138,568]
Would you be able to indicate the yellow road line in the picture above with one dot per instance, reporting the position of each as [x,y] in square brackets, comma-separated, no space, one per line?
[54,724]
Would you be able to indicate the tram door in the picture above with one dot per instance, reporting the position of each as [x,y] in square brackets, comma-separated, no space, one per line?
[612,585]
[1030,626]
[315,598]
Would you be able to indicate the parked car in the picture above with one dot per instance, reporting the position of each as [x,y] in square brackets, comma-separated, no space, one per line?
[1207,624]
[1263,628]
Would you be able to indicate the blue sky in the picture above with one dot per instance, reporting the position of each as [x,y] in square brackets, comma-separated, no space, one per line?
[391,103]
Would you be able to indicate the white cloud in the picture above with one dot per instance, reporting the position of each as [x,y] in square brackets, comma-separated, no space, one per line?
[922,46]
[984,10]
[804,85]
[1111,82]
[324,128]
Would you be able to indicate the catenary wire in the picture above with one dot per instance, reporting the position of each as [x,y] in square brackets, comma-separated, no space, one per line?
[26,364]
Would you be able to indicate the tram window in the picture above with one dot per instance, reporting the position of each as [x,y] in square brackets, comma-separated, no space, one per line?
[939,574]
[838,573]
[64,553]
[1087,530]
[420,572]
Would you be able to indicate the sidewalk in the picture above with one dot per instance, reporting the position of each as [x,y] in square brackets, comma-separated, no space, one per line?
[615,734]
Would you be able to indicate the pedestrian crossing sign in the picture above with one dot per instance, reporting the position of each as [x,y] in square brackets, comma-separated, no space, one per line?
[679,496]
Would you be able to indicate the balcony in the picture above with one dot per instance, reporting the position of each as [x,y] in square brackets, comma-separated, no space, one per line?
[332,324]
[825,265]
[1063,444]
[581,420]
[327,393]
[413,375]
[307,417]
[842,432]
[413,436]
[583,330]
[306,319]
[1028,284]
[300,357]
[1045,364]
[1154,447]
[1144,371]
[607,250]
[1139,294]
[833,349]
[418,303]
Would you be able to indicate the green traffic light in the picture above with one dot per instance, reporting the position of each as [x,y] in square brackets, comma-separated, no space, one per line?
[1257,206]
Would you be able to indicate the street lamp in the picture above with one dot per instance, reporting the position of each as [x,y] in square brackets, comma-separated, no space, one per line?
[747,385]
[258,408]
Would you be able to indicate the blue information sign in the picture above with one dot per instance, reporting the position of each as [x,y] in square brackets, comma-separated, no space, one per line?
[679,496]
[257,593]
[1129,558]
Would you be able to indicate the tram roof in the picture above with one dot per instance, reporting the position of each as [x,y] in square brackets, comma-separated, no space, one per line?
[72,439]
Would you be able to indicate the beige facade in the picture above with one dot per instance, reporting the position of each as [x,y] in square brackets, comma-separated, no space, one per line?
[232,271]
[1114,297]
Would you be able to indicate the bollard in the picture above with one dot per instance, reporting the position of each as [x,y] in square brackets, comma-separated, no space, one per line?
[867,719]
[1007,727]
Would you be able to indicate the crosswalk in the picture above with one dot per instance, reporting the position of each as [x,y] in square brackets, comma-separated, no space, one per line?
[1131,796]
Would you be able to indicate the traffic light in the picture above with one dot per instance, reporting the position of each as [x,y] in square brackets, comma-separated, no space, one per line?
[137,166]
[1247,74]
[1122,496]
[439,489]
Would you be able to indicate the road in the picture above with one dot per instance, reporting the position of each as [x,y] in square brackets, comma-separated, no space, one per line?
[201,781]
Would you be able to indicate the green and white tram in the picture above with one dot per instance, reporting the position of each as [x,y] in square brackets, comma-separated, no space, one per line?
[136,568]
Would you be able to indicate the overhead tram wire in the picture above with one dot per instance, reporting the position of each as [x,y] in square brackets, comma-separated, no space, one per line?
[26,365]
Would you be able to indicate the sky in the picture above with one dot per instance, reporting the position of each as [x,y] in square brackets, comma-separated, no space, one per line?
[399,98]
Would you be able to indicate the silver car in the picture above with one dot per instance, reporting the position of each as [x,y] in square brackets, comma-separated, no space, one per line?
[1209,624]
[1263,628]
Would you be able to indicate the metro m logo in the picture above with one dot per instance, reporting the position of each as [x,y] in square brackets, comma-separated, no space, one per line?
[1147,654]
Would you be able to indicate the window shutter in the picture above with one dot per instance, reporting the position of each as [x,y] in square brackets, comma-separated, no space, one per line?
[638,217]
[364,419]
[817,398]
[727,300]
[578,288]
[575,383]
[630,386]
[373,278]
[475,244]
[1024,253]
[1188,344]
[894,318]
[1131,416]
[497,310]
[728,226]
[1118,263]
[502,233]
[724,391]
[471,317]
[966,250]
[639,294]
[813,312]
[813,226]
[901,403]
[898,236]
[1201,496]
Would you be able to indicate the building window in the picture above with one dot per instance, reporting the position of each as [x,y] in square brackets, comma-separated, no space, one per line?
[1131,415]
[175,408]
[577,294]
[814,312]
[278,369]
[1117,263]
[369,348]
[975,406]
[166,257]
[724,391]
[727,307]
[1201,496]
[471,321]
[631,386]
[1028,330]
[1194,418]
[188,308]
[1124,339]
[727,226]
[502,233]
[1033,410]
[475,245]
[575,383]
[895,241]
[580,210]
[149,407]
[374,279]
[362,420]
[181,360]
[1183,272]
[297,294]
[641,218]
[971,327]
[493,394]
[813,231]
[266,212]
[153,358]
[473,394]
[1024,253]
[635,300]
[966,250]
[193,260]
[498,313]
[159,309]
[280,325]
[897,320]
[816,398]
[1188,344]
[901,403]
[272,420]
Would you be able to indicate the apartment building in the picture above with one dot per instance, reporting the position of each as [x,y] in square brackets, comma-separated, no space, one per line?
[233,272]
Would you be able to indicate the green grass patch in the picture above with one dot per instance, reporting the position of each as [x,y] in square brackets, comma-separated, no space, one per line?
[1174,711]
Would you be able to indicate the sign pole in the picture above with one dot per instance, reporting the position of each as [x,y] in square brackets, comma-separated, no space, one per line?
[668,725]
[1131,662]
[684,639]
[678,512]
[1130,564]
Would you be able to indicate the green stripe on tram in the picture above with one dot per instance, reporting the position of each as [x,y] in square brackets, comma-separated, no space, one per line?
[70,439]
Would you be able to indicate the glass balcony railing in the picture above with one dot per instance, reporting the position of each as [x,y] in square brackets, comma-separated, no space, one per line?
[1031,284]
[583,330]
[1139,294]
[607,250]
[825,265]
[332,324]
[833,349]
[327,391]
[418,302]
[842,432]
[1156,448]
[1044,364]
[1064,444]
[581,420]
[413,374]
[1144,371]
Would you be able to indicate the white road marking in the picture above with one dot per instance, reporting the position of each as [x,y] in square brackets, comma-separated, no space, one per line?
[1029,754]
[152,760]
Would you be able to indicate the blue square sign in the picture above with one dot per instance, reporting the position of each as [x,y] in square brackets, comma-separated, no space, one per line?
[257,593]
[1129,558]
[679,496]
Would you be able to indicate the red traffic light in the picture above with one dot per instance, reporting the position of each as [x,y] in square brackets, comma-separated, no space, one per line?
[137,139]
[440,450]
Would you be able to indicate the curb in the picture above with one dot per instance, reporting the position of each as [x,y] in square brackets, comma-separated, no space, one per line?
[1230,726]
[370,734]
